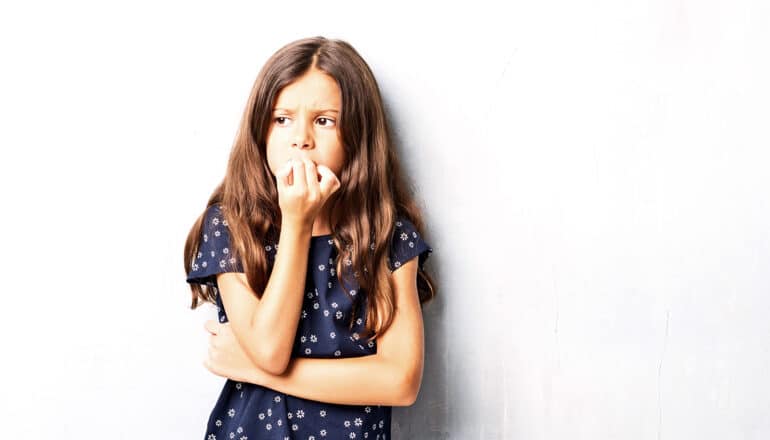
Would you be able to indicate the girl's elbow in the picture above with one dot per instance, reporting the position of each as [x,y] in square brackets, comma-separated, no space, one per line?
[274,368]
[272,362]
[408,389]
[407,398]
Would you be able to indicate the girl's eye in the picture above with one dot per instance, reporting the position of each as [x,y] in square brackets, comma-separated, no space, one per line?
[326,121]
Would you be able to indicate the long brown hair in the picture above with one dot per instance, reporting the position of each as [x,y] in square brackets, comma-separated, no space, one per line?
[362,214]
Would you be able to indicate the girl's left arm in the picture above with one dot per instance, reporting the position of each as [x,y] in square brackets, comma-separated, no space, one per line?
[390,377]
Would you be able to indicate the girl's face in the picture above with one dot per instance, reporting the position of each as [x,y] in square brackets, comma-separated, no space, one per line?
[304,123]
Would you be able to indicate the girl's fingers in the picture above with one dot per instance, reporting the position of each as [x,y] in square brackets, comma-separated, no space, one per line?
[298,171]
[329,181]
[211,326]
[312,176]
[283,173]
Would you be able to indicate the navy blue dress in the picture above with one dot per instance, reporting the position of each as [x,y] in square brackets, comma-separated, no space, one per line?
[246,411]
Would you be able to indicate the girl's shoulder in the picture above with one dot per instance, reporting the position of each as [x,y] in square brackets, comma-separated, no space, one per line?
[407,243]
[215,221]
[214,209]
[214,249]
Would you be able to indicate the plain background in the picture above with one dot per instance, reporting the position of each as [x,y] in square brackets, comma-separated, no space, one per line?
[594,180]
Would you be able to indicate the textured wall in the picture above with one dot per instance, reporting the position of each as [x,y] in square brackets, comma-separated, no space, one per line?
[595,175]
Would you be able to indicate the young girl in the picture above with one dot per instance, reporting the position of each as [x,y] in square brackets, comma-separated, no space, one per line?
[307,248]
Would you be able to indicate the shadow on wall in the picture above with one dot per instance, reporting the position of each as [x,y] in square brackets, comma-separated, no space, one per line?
[428,418]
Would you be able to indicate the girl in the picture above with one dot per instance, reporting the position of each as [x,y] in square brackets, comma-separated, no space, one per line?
[307,248]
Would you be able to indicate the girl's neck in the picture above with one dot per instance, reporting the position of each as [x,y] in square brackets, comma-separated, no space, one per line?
[320,230]
[321,225]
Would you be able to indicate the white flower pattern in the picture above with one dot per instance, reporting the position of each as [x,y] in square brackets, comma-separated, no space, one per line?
[323,325]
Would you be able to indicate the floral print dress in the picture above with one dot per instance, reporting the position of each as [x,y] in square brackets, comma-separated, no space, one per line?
[246,411]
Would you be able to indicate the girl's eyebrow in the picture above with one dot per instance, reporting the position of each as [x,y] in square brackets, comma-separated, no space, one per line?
[314,110]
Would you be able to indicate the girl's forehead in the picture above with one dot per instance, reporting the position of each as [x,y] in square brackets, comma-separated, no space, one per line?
[313,91]
[306,101]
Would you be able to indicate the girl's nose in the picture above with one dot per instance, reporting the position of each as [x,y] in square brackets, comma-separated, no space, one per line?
[302,136]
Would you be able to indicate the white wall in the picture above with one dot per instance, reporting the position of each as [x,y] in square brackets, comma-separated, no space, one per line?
[594,181]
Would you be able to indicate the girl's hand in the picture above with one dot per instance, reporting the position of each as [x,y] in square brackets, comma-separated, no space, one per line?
[300,193]
[226,358]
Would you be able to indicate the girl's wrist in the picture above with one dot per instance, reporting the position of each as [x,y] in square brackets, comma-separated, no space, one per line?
[296,229]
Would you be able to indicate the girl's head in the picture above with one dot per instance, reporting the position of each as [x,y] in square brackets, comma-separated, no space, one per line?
[304,123]
[316,97]
[351,137]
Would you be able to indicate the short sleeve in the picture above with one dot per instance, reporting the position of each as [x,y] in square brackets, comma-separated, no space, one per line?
[406,244]
[214,252]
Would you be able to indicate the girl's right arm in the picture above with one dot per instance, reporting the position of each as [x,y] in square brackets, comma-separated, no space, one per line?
[266,327]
